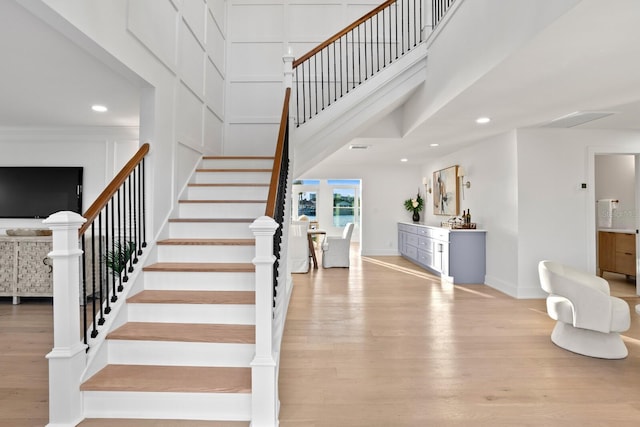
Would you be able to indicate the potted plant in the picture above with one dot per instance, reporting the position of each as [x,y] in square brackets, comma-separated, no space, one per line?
[415,206]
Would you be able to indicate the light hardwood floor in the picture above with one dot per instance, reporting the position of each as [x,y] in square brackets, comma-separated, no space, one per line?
[385,344]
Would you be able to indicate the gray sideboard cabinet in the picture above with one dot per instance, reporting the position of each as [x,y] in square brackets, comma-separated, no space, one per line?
[458,256]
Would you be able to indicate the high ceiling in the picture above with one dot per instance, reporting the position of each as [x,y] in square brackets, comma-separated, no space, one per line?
[588,60]
[48,81]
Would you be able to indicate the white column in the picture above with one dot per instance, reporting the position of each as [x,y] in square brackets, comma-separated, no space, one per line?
[67,360]
[288,67]
[264,403]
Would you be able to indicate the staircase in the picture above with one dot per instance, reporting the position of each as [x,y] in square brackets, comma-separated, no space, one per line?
[185,350]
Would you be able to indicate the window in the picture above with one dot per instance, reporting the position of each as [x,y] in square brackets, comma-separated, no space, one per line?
[307,203]
[345,206]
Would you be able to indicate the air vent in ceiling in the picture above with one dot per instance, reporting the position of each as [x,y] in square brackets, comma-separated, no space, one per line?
[358,147]
[576,119]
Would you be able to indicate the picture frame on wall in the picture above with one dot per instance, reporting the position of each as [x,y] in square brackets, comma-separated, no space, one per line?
[446,198]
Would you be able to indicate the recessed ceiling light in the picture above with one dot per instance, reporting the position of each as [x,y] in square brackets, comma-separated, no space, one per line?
[404,160]
[99,108]
[483,120]
[434,145]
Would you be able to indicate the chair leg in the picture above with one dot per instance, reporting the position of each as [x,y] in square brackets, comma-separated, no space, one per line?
[589,343]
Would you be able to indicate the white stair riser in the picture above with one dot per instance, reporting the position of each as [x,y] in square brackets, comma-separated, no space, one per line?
[192,313]
[237,163]
[187,406]
[227,193]
[199,281]
[206,253]
[210,230]
[169,353]
[221,210]
[232,177]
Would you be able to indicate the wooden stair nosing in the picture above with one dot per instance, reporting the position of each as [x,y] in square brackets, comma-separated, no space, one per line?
[247,170]
[139,422]
[236,267]
[193,297]
[220,201]
[185,332]
[237,157]
[207,242]
[176,379]
[215,220]
[229,184]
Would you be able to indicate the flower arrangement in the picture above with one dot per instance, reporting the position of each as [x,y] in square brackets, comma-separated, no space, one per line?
[414,205]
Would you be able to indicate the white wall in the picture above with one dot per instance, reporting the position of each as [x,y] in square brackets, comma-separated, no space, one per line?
[384,190]
[178,49]
[476,33]
[615,179]
[491,167]
[260,33]
[102,152]
[556,216]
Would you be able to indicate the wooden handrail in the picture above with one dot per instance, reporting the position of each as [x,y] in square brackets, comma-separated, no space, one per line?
[104,197]
[277,161]
[341,33]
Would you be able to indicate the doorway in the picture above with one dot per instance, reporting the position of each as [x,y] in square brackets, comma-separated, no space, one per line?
[615,200]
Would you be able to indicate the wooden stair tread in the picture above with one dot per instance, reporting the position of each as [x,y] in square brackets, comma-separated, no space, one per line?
[209,242]
[238,157]
[121,422]
[185,379]
[193,297]
[219,220]
[228,184]
[185,332]
[222,201]
[233,267]
[234,170]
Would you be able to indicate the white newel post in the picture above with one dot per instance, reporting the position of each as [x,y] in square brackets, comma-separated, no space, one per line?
[68,358]
[263,367]
[288,67]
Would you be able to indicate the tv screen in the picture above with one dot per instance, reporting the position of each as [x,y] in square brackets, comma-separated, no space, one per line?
[37,192]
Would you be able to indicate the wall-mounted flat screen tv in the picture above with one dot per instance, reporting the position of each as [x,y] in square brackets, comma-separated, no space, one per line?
[37,192]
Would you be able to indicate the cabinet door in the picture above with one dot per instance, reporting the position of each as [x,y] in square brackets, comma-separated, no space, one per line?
[606,251]
[626,254]
[34,270]
[7,267]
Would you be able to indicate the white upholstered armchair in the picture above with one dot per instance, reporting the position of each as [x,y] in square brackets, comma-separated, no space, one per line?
[335,249]
[589,318]
[298,247]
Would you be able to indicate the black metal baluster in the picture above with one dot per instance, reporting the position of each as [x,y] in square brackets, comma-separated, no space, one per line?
[298,99]
[144,207]
[100,295]
[322,77]
[94,332]
[396,41]
[134,215]
[83,267]
[114,296]
[130,211]
[104,278]
[353,60]
[341,78]
[335,75]
[359,56]
[361,48]
[310,100]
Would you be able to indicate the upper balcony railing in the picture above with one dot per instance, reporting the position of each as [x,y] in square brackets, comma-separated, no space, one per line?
[352,56]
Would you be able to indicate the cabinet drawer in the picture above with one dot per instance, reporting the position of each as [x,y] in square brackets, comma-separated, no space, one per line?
[626,263]
[626,243]
[411,239]
[424,243]
[408,228]
[425,258]
[411,252]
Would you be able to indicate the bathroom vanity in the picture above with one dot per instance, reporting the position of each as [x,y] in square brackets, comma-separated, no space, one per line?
[617,251]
